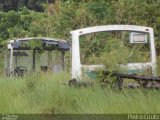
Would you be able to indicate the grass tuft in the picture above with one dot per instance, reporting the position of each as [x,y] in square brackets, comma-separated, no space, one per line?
[45,93]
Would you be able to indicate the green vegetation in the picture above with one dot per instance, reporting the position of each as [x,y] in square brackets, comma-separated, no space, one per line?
[46,93]
[59,17]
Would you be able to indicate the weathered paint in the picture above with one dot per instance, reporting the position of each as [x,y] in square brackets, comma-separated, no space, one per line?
[76,63]
[11,44]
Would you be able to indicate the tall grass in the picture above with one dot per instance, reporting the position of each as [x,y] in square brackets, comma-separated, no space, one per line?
[45,93]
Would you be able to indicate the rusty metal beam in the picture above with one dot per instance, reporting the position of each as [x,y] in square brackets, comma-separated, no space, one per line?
[132,76]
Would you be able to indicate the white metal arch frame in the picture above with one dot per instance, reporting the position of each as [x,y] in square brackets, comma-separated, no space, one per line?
[76,63]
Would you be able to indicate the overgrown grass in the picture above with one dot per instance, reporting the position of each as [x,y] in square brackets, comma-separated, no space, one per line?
[45,93]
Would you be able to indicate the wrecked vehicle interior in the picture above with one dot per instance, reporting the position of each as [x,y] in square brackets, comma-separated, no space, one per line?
[135,51]
[35,54]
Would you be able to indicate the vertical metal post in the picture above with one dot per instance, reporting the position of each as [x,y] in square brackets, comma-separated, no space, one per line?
[16,61]
[76,64]
[50,64]
[6,62]
[33,60]
[11,58]
[153,52]
[63,60]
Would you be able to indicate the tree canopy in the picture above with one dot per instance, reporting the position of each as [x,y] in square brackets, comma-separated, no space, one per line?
[56,18]
[60,16]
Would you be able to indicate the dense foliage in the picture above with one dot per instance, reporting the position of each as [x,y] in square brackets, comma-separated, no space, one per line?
[61,16]
[58,17]
[46,93]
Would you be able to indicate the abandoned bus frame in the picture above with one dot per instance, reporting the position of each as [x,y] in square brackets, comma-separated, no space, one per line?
[76,63]
[23,48]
